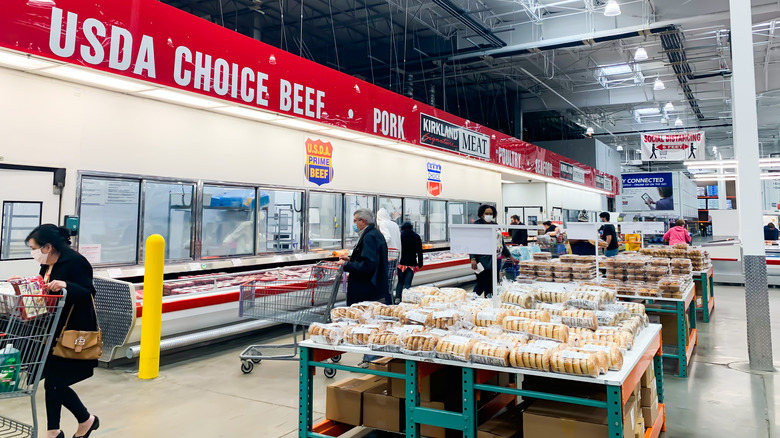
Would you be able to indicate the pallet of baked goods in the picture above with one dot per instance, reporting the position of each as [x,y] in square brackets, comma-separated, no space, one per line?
[455,347]
[575,362]
[534,355]
[422,344]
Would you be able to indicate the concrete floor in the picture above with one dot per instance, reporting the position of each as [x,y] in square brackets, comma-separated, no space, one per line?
[203,393]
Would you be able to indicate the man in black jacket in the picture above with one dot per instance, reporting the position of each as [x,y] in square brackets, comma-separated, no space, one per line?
[411,258]
[519,237]
[367,267]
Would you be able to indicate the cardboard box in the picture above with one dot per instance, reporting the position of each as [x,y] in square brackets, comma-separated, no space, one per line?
[639,428]
[432,431]
[669,329]
[648,378]
[545,419]
[435,387]
[651,414]
[390,365]
[383,411]
[649,396]
[344,399]
[507,425]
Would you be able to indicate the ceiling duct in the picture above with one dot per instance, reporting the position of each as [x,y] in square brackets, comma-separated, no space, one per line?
[465,17]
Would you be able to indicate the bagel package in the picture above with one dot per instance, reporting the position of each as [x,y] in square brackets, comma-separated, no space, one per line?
[580,318]
[534,355]
[611,350]
[574,362]
[518,324]
[420,344]
[554,309]
[392,313]
[549,331]
[605,317]
[444,319]
[359,334]
[414,295]
[519,297]
[622,338]
[328,334]
[489,317]
[418,316]
[491,352]
[338,314]
[586,300]
[487,332]
[539,315]
[553,296]
[454,347]
[385,340]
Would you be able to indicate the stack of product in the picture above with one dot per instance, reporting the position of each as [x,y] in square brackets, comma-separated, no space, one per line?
[674,286]
[563,270]
[582,332]
[700,259]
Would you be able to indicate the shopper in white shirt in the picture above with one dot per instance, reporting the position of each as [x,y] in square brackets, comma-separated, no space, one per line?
[390,230]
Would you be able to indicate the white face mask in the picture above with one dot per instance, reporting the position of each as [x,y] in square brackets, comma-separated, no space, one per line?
[488,218]
[39,256]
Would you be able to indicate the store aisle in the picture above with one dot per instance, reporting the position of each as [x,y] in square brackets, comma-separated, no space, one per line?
[204,394]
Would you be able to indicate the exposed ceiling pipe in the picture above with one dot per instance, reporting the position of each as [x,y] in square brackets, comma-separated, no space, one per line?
[465,17]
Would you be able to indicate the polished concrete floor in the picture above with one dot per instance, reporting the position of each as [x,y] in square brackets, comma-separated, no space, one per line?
[203,393]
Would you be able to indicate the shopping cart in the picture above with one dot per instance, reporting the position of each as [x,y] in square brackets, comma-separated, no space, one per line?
[392,268]
[296,302]
[27,326]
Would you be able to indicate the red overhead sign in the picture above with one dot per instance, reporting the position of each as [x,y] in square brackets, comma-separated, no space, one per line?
[154,42]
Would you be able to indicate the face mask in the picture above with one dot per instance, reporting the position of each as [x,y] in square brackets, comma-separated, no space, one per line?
[355,228]
[39,256]
[488,218]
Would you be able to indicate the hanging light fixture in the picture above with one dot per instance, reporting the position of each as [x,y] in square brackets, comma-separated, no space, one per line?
[589,131]
[640,54]
[620,148]
[658,85]
[669,106]
[612,9]
[678,123]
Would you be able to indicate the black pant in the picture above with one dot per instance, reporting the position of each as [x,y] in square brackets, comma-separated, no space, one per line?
[404,281]
[59,394]
[485,282]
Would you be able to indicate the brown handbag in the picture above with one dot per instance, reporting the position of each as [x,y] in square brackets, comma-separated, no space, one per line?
[79,345]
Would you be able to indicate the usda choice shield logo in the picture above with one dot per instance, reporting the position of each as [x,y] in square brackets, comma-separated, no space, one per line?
[319,161]
[434,179]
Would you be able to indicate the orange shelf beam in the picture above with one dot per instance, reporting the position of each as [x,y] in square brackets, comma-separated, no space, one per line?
[331,428]
[660,423]
[636,374]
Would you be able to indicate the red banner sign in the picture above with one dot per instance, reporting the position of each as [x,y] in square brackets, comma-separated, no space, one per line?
[151,41]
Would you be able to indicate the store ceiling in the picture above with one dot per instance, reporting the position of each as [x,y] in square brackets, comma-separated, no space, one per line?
[562,62]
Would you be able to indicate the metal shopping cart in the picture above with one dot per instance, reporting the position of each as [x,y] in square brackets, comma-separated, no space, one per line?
[392,268]
[27,325]
[296,302]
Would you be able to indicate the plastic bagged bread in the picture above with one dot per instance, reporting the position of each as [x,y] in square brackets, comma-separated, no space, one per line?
[622,338]
[359,334]
[518,324]
[634,324]
[553,296]
[535,356]
[519,297]
[414,295]
[392,313]
[444,319]
[631,308]
[586,300]
[491,352]
[575,362]
[610,349]
[601,355]
[456,293]
[580,318]
[338,314]
[420,344]
[489,317]
[605,317]
[578,335]
[550,331]
[418,316]
[386,341]
[554,309]
[454,347]
[327,334]
[488,332]
[539,315]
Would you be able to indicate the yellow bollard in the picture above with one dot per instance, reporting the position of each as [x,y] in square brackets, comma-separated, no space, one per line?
[149,362]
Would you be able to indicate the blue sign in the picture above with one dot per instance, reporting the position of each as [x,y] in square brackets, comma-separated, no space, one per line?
[647,180]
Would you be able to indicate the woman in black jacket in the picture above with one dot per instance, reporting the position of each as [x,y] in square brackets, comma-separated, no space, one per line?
[411,258]
[64,268]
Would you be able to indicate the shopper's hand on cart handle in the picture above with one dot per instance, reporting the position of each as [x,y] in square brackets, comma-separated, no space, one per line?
[342,262]
[56,286]
[473,264]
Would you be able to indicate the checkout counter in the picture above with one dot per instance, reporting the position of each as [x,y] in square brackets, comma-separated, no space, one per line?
[726,255]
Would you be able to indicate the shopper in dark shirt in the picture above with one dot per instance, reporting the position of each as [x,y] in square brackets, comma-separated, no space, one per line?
[519,237]
[411,258]
[551,228]
[771,232]
[609,235]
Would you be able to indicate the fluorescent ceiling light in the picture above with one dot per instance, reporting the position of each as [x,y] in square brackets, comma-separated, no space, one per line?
[678,123]
[647,111]
[618,69]
[640,54]
[298,124]
[341,133]
[770,176]
[22,62]
[248,113]
[97,79]
[698,164]
[612,9]
[713,166]
[376,141]
[181,98]
[658,85]
[669,106]
[503,181]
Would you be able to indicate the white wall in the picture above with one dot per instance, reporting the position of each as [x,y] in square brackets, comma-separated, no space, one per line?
[573,199]
[525,195]
[49,122]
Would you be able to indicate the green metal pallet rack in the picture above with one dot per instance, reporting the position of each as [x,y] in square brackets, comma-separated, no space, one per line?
[618,386]
[707,293]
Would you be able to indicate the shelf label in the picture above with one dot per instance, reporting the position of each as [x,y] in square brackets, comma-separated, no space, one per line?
[237,262]
[114,273]
[196,267]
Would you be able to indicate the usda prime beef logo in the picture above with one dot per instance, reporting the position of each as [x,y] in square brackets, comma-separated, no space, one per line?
[445,135]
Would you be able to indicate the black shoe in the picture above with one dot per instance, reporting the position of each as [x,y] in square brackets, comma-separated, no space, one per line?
[95,426]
